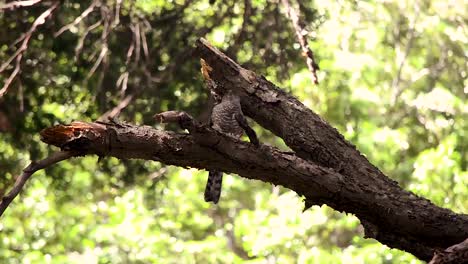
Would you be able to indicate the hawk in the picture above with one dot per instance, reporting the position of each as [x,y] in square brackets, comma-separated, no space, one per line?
[227,118]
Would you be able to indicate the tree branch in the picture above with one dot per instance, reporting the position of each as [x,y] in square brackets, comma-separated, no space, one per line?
[17,4]
[393,216]
[114,112]
[77,19]
[203,148]
[28,172]
[301,32]
[18,55]
[12,75]
[396,89]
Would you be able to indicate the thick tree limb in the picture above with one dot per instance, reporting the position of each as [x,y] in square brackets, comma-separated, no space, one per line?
[28,172]
[391,215]
[203,148]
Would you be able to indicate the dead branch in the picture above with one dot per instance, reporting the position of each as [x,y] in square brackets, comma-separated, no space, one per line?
[122,83]
[115,112]
[27,36]
[301,33]
[137,42]
[102,54]
[17,4]
[135,45]
[24,46]
[131,48]
[396,89]
[104,48]
[118,4]
[28,172]
[391,215]
[243,31]
[166,74]
[144,43]
[77,20]
[12,75]
[80,43]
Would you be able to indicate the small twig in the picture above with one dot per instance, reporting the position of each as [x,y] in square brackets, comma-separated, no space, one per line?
[166,74]
[144,43]
[397,90]
[17,4]
[21,96]
[242,34]
[18,55]
[28,172]
[104,45]
[39,21]
[12,75]
[132,46]
[98,62]
[102,58]
[106,17]
[158,174]
[102,74]
[117,13]
[77,20]
[431,70]
[137,42]
[301,33]
[150,78]
[79,46]
[122,82]
[234,244]
[183,119]
[114,112]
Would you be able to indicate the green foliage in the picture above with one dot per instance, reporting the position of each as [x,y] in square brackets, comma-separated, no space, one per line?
[393,81]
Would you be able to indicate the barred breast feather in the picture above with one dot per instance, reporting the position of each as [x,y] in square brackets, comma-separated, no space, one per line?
[224,120]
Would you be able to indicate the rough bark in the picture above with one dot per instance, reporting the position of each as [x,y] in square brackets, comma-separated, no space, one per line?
[455,254]
[325,168]
[203,148]
[391,215]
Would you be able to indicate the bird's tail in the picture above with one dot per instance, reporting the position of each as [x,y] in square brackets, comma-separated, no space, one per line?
[213,186]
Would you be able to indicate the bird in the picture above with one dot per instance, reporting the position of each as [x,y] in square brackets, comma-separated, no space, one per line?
[226,117]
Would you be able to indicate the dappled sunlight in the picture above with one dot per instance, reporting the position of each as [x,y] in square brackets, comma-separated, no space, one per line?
[392,80]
